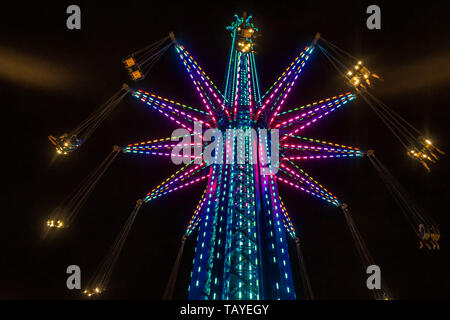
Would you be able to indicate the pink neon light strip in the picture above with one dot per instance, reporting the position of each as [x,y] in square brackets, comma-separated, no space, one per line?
[305,114]
[287,220]
[313,148]
[269,99]
[308,124]
[198,86]
[178,188]
[195,218]
[158,153]
[208,83]
[283,99]
[157,100]
[156,141]
[167,184]
[250,97]
[158,146]
[160,109]
[185,114]
[301,188]
[310,184]
[313,104]
[282,78]
[323,156]
[236,97]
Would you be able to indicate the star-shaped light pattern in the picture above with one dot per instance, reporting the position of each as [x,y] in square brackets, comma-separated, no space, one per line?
[224,110]
[292,122]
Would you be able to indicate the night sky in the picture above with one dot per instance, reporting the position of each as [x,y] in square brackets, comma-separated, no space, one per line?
[51,78]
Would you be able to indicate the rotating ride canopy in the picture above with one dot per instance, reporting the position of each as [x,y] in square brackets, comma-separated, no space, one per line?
[243,225]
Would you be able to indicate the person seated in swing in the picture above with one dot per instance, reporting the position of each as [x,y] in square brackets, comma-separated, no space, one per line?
[59,142]
[424,236]
[360,75]
[67,144]
[435,235]
[74,142]
[429,146]
[418,155]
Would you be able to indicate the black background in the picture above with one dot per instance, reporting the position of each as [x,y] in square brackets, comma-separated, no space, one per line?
[51,78]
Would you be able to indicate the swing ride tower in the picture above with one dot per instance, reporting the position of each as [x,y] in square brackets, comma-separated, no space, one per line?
[241,250]
[242,224]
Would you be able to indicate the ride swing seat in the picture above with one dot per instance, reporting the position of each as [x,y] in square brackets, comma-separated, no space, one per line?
[137,75]
[133,68]
[139,63]
[129,62]
[429,237]
[435,235]
[426,153]
[361,76]
[65,144]
[432,149]
[55,223]
[90,293]
[385,296]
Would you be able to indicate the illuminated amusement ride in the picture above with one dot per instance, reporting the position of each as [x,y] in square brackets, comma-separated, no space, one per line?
[241,222]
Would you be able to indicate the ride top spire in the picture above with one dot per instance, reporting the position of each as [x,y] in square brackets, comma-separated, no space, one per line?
[244,33]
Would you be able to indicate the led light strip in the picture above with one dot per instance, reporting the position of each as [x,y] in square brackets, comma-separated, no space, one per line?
[147,199]
[313,120]
[336,203]
[315,103]
[195,218]
[197,85]
[282,75]
[310,113]
[310,184]
[166,185]
[208,83]
[266,102]
[163,105]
